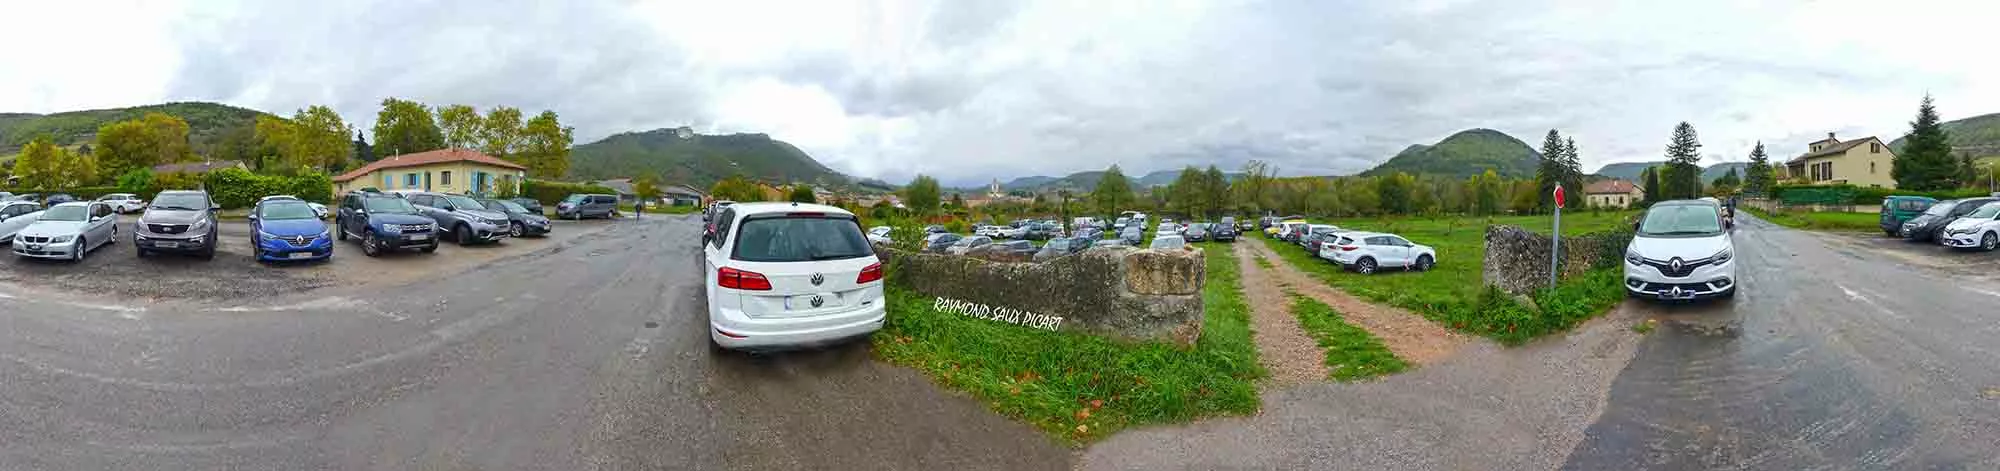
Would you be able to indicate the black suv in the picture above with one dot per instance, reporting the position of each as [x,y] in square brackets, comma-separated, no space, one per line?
[384,222]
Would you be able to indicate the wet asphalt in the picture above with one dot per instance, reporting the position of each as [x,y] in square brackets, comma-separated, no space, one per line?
[584,353]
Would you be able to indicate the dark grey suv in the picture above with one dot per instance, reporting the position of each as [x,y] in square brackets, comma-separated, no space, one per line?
[462,217]
[179,222]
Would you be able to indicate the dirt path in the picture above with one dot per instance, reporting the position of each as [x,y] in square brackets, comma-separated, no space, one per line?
[1287,353]
[1412,337]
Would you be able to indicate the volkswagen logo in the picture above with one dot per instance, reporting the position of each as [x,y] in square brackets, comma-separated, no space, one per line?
[817,300]
[1674,264]
[816,280]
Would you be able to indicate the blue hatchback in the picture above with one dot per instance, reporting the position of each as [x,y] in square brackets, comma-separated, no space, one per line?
[289,230]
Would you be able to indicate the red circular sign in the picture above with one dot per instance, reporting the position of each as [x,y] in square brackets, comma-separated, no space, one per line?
[1559,196]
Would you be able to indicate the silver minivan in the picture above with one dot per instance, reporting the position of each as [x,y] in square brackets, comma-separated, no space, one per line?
[579,206]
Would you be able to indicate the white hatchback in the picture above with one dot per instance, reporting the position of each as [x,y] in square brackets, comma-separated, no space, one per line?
[790,275]
[1365,252]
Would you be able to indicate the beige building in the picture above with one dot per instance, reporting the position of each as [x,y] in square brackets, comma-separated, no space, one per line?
[1613,193]
[452,171]
[1860,162]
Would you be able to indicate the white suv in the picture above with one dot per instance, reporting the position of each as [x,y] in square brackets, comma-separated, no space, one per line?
[1364,252]
[1681,250]
[1980,229]
[790,274]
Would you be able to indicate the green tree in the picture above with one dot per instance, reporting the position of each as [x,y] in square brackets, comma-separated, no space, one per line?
[1925,163]
[1729,179]
[318,140]
[1186,193]
[36,166]
[500,133]
[1572,166]
[1968,173]
[1549,172]
[1758,175]
[135,180]
[545,146]
[1683,174]
[461,125]
[406,127]
[645,188]
[153,139]
[363,153]
[1649,182]
[1486,190]
[1113,192]
[1253,190]
[1393,192]
[73,169]
[802,193]
[736,188]
[278,135]
[1215,189]
[922,195]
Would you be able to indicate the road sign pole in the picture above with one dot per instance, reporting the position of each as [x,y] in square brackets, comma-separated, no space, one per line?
[1556,238]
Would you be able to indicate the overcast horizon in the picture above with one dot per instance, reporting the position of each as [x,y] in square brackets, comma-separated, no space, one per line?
[972,91]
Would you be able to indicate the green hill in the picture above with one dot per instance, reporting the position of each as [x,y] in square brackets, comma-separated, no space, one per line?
[1469,152]
[206,123]
[1979,135]
[1629,171]
[700,159]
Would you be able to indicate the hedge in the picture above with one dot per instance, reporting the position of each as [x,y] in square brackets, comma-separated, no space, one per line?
[1805,194]
[550,193]
[238,188]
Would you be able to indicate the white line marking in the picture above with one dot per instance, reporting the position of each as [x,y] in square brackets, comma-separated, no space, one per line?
[6,296]
[1858,297]
[1982,291]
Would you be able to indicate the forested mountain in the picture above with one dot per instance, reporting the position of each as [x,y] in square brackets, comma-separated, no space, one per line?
[1469,152]
[698,159]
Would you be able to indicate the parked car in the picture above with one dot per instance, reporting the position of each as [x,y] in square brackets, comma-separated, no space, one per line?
[318,209]
[880,235]
[68,231]
[1277,229]
[1196,232]
[1316,234]
[1086,221]
[35,197]
[1132,236]
[17,215]
[939,242]
[1979,228]
[461,217]
[288,229]
[6,196]
[54,199]
[1290,231]
[383,223]
[1011,247]
[521,221]
[1043,231]
[579,206]
[935,229]
[179,221]
[1167,227]
[1168,242]
[1925,227]
[536,206]
[1061,246]
[1242,225]
[1681,250]
[1897,210]
[784,275]
[1011,232]
[122,203]
[1366,252]
[1225,231]
[986,230]
[967,244]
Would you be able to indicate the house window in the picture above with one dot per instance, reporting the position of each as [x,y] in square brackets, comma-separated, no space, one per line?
[410,180]
[1871,168]
[444,178]
[1874,147]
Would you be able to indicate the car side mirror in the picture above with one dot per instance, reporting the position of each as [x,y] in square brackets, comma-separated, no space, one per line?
[214,207]
[251,216]
[1635,226]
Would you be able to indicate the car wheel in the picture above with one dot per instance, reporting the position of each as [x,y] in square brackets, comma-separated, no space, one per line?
[143,253]
[256,251]
[429,248]
[338,231]
[368,245]
[76,254]
[516,230]
[1892,232]
[1424,263]
[209,253]
[1365,266]
[463,232]
[1989,242]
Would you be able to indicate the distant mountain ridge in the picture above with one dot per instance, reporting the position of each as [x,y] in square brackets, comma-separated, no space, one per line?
[700,159]
[1630,171]
[1087,181]
[1978,135]
[207,123]
[1463,154]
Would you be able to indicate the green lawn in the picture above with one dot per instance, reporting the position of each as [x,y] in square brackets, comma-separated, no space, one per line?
[1452,293]
[1821,220]
[1078,387]
[1351,352]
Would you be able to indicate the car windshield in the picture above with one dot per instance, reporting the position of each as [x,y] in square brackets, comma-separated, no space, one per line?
[1941,208]
[506,206]
[285,209]
[1168,242]
[65,213]
[180,201]
[1681,220]
[462,202]
[388,205]
[579,199]
[1985,212]
[800,239]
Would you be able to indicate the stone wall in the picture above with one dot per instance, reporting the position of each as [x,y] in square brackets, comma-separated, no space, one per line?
[1517,261]
[1117,292]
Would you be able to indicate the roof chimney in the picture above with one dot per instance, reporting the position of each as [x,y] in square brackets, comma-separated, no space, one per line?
[1829,136]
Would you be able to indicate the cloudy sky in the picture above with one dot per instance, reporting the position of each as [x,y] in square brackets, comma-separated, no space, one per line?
[971,90]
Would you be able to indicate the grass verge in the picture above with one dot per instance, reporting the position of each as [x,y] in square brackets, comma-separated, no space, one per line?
[1351,352]
[1077,387]
[1453,294]
[1820,220]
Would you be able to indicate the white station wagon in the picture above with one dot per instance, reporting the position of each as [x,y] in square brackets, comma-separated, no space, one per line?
[790,275]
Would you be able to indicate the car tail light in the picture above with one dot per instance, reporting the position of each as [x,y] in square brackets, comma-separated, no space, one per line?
[1347,248]
[742,279]
[872,273]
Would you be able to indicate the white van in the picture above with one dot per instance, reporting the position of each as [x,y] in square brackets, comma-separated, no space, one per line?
[1681,250]
[790,274]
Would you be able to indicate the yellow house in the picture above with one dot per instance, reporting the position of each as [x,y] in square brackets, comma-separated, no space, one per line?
[1613,193]
[1860,162]
[451,171]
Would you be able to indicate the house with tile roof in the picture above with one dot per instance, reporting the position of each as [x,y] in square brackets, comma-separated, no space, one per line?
[1613,193]
[452,171]
[1831,161]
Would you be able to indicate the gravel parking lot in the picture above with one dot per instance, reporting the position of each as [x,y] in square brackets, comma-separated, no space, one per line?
[116,270]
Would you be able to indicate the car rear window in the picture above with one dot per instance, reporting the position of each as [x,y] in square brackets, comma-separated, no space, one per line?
[800,239]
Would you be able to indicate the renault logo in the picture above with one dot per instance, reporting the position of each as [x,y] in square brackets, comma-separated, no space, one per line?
[816,280]
[1674,264]
[1676,292]
[817,300]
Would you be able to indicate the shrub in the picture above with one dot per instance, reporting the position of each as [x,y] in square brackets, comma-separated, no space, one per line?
[1809,194]
[238,188]
[137,180]
[550,193]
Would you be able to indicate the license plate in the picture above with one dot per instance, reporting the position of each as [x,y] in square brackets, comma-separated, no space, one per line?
[1683,295]
[420,237]
[805,301]
[34,247]
[167,245]
[301,255]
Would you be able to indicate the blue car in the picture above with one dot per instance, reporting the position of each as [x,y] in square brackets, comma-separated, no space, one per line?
[288,230]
